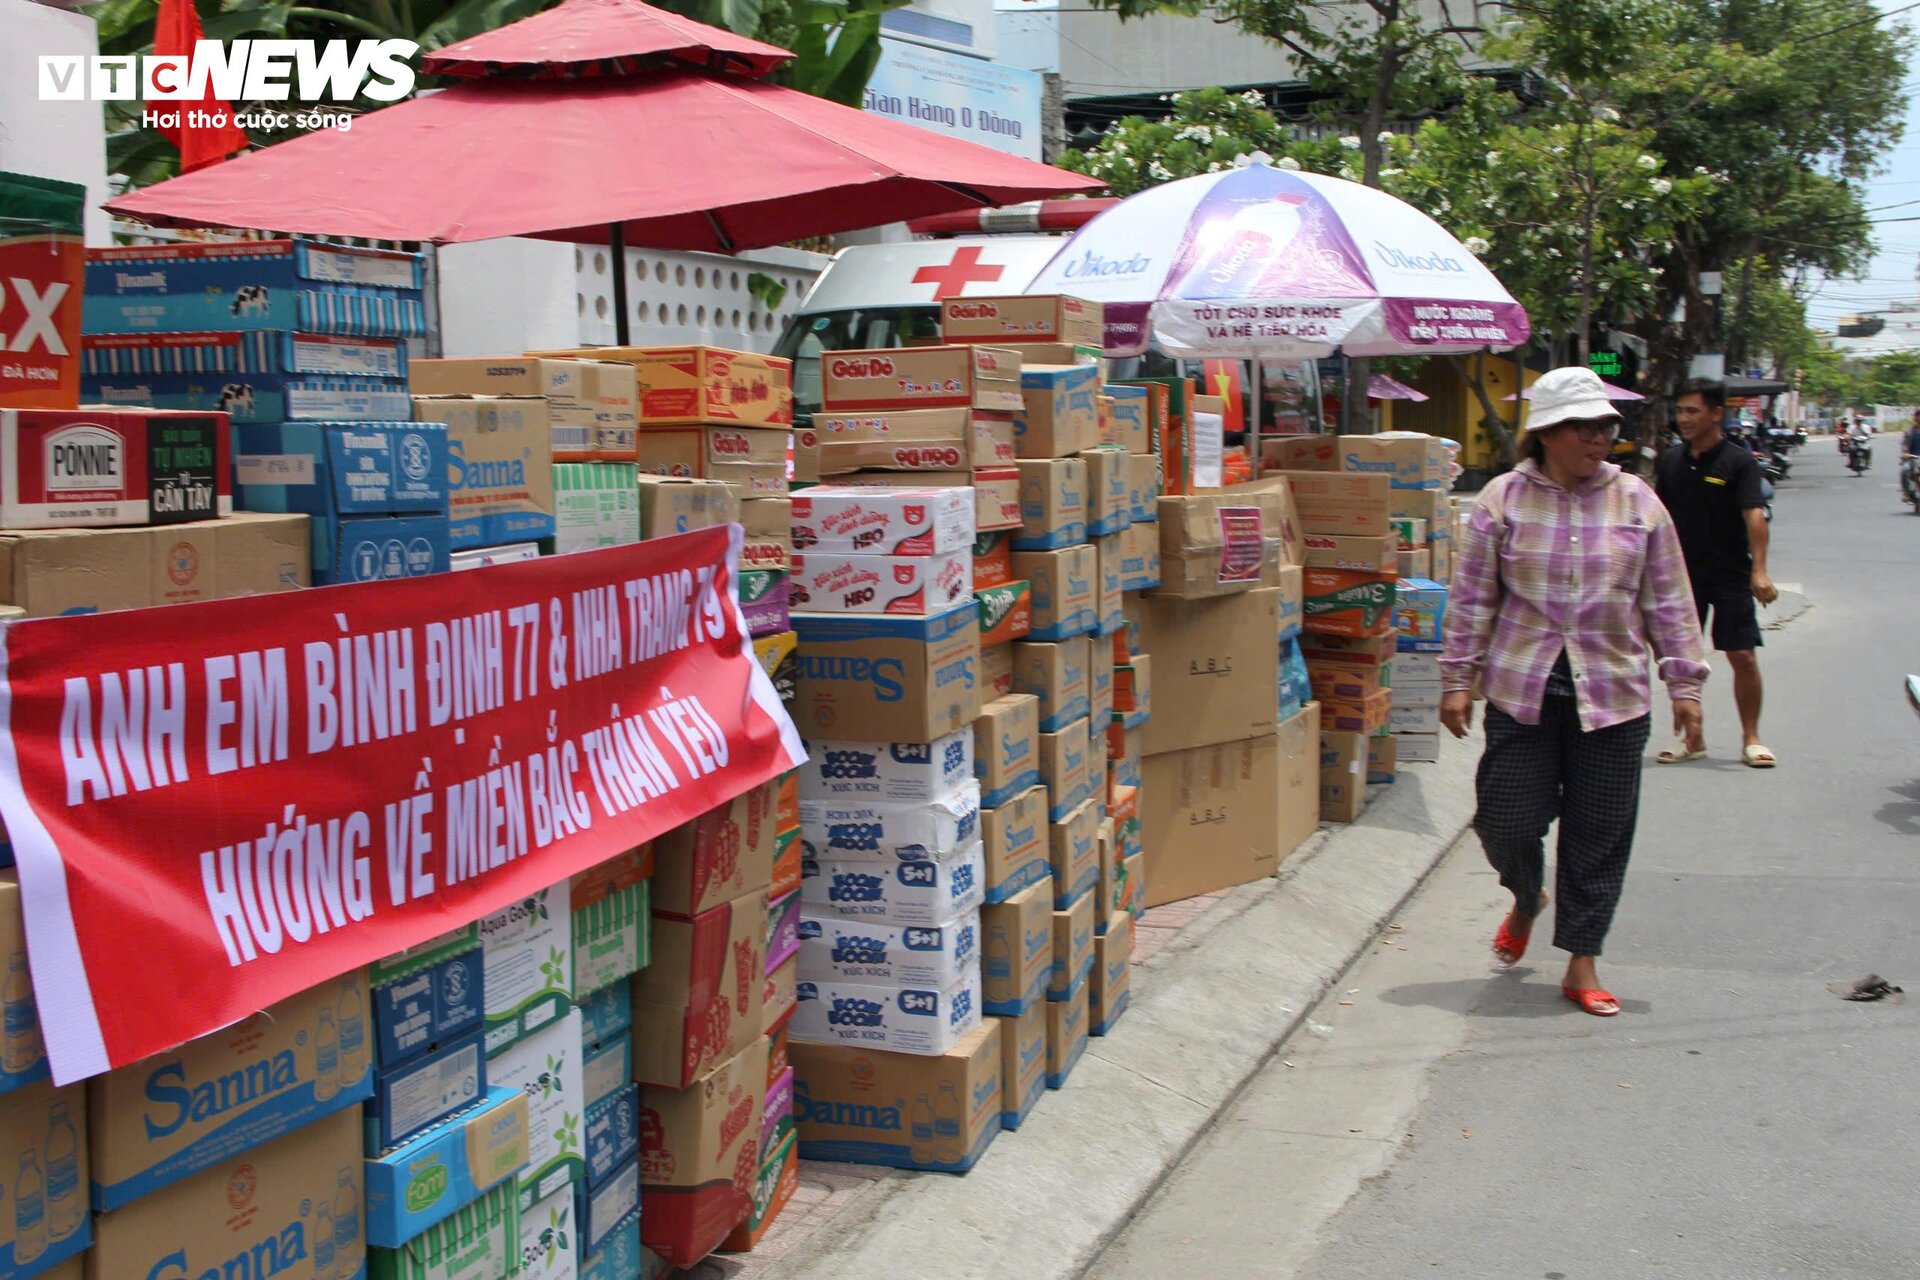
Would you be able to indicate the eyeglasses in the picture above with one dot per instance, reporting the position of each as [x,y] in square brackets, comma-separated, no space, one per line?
[1593,432]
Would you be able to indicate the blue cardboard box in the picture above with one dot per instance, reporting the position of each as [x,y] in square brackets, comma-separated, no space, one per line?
[613,1134]
[618,1255]
[381,547]
[418,1094]
[443,1170]
[259,376]
[1419,615]
[255,284]
[427,996]
[600,1211]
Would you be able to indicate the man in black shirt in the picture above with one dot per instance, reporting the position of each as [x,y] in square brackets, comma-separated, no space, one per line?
[1712,488]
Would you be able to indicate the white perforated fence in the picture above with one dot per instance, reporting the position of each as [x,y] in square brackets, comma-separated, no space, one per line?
[691,297]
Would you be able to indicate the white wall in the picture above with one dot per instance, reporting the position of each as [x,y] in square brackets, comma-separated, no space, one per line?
[65,140]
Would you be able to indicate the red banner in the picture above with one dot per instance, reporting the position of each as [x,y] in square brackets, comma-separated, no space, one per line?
[214,806]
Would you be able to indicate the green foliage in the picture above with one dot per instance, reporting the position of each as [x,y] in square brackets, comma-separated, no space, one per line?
[1206,130]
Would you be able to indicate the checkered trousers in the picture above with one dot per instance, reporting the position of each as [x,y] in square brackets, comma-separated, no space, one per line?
[1532,774]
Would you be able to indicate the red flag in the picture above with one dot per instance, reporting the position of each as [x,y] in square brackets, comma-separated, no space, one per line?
[175,31]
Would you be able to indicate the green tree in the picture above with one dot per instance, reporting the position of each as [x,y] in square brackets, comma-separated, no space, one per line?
[1206,130]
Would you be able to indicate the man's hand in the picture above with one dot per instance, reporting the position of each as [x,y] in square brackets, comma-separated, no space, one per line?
[1686,719]
[1456,712]
[1763,589]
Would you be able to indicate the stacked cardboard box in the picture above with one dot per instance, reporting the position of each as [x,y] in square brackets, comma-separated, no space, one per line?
[1420,616]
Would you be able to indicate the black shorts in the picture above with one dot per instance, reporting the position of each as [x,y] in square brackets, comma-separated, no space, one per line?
[1736,623]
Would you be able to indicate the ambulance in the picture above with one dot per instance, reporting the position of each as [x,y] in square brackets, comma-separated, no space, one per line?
[888,295]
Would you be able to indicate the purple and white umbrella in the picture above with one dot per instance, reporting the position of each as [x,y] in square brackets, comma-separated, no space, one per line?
[1260,262]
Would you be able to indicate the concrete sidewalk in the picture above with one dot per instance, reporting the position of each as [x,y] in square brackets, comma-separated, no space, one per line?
[1209,1008]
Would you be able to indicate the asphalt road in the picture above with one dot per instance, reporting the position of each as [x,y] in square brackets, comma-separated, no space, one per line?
[1738,1119]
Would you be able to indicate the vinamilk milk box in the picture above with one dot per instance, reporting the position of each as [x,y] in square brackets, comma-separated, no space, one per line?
[892,772]
[880,1016]
[902,893]
[850,830]
[546,1067]
[917,955]
[527,955]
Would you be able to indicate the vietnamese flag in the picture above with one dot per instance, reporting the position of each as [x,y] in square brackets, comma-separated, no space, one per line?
[175,32]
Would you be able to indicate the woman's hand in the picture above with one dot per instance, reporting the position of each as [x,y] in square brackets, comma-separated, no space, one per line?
[1686,719]
[1456,712]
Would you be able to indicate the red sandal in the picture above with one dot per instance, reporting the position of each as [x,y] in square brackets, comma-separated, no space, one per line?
[1592,999]
[1509,947]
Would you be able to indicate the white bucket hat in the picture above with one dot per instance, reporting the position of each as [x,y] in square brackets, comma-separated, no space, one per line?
[1571,394]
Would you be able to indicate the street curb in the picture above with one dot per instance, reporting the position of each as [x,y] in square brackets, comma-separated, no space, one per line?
[1209,1011]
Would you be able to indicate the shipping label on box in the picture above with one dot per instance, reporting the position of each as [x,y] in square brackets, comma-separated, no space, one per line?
[1037,318]
[982,377]
[527,950]
[546,1067]
[1064,590]
[1014,835]
[1006,750]
[1065,764]
[500,467]
[291,1209]
[1112,987]
[936,1112]
[888,679]
[1109,492]
[547,1233]
[939,956]
[1353,505]
[881,521]
[1059,414]
[1058,674]
[1016,957]
[1072,947]
[1053,504]
[724,854]
[44,1147]
[898,893]
[700,1000]
[74,468]
[1023,1063]
[1067,1031]
[900,772]
[1341,602]
[23,1059]
[854,829]
[168,1117]
[914,586]
[596,504]
[1210,545]
[1074,846]
[429,1179]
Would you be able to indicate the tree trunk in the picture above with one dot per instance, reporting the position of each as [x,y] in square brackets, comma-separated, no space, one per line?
[1355,419]
[1490,418]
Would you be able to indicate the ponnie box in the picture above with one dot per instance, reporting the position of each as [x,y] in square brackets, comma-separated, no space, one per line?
[255,284]
[480,1240]
[528,953]
[860,830]
[894,893]
[25,1057]
[500,464]
[82,468]
[936,1112]
[1023,1063]
[1006,749]
[882,521]
[438,1173]
[1064,590]
[1067,1031]
[1037,318]
[1014,836]
[687,386]
[590,403]
[940,956]
[1072,948]
[1109,505]
[700,1000]
[292,1209]
[724,854]
[909,586]
[1058,416]
[43,1143]
[426,996]
[904,772]
[167,1117]
[922,378]
[1057,674]
[699,1156]
[1112,987]
[670,505]
[887,679]
[1053,504]
[1016,951]
[1065,761]
[595,504]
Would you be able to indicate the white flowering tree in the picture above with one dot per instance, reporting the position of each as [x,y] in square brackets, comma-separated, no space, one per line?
[1203,132]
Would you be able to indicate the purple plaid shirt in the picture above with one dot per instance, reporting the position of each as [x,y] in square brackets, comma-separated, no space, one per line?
[1596,572]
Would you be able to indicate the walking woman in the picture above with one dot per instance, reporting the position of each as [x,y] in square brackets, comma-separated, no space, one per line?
[1568,579]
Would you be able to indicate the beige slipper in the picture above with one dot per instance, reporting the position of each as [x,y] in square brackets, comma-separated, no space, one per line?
[1757,758]
[1680,755]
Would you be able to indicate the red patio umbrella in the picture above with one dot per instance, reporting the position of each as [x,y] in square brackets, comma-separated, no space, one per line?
[583,38]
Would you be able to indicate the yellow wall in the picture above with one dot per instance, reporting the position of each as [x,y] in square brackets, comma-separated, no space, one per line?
[1454,411]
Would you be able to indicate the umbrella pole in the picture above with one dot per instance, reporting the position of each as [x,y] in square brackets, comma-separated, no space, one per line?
[617,252]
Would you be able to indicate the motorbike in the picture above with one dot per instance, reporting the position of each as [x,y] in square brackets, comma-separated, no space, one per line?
[1910,482]
[1859,455]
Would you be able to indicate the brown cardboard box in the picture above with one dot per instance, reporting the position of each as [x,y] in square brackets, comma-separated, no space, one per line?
[1064,590]
[1210,817]
[1065,764]
[1067,1031]
[699,1001]
[700,1155]
[1059,415]
[1109,585]
[751,459]
[1362,555]
[26,1057]
[1133,686]
[1143,486]
[1056,672]
[501,486]
[1015,838]
[1072,948]
[259,1212]
[1301,453]
[1112,986]
[1371,651]
[1365,715]
[982,377]
[996,671]
[1023,1063]
[1415,564]
[1006,748]
[1341,602]
[1383,758]
[865,1105]
[1215,669]
[1016,951]
[1211,544]
[1411,460]
[670,505]
[1109,503]
[1013,320]
[1074,846]
[1343,775]
[1431,505]
[723,854]
[43,1141]
[591,403]
[1053,503]
[996,493]
[1139,557]
[1279,514]
[1298,784]
[879,679]
[684,386]
[1358,505]
[1442,567]
[961,439]
[59,571]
